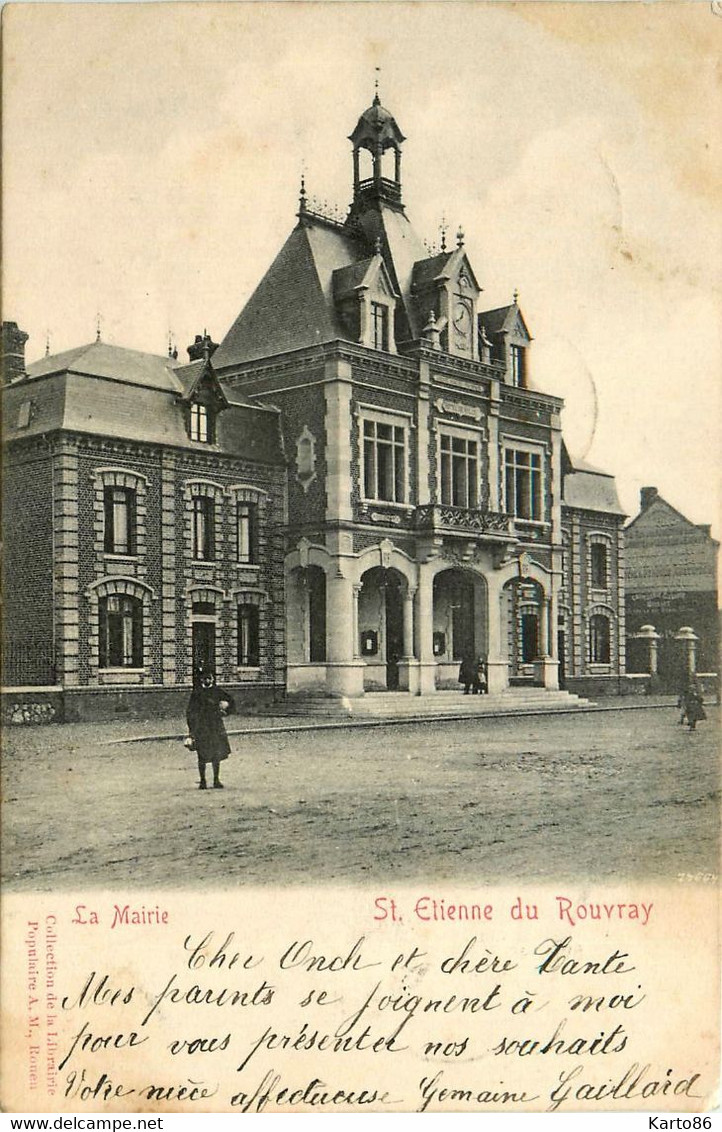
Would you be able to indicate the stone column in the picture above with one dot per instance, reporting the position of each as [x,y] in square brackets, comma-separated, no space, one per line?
[409,665]
[689,638]
[649,634]
[425,631]
[497,663]
[344,674]
[422,437]
[338,440]
[493,448]
[548,663]
[544,627]
[356,589]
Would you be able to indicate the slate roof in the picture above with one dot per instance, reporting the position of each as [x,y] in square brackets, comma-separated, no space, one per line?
[110,391]
[427,270]
[114,363]
[591,491]
[502,318]
[292,307]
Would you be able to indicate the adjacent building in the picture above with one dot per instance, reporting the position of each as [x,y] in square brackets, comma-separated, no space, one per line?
[143,508]
[672,605]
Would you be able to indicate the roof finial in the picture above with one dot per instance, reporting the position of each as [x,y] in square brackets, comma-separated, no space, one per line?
[97,327]
[460,237]
[443,228]
[516,295]
[47,343]
[377,246]
[302,193]
[377,99]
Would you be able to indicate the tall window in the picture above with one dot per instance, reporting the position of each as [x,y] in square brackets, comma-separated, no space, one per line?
[204,528]
[599,565]
[384,462]
[380,326]
[599,639]
[119,506]
[246,532]
[248,653]
[200,423]
[523,484]
[518,374]
[529,637]
[459,471]
[120,632]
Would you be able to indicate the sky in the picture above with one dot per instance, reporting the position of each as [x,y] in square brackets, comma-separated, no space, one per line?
[152,156]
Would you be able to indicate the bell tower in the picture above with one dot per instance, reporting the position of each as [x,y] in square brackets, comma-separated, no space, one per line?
[376,132]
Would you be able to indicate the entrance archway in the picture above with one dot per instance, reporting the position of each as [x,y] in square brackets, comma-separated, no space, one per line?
[460,626]
[527,640]
[381,626]
[306,615]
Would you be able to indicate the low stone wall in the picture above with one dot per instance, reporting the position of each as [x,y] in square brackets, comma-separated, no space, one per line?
[28,706]
[597,687]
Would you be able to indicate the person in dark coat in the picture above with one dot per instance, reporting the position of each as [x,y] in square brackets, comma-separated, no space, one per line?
[206,707]
[693,709]
[469,675]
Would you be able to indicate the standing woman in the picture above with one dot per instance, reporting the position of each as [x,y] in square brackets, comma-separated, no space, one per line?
[693,706]
[207,705]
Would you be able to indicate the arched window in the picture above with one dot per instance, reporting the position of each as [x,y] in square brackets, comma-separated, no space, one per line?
[204,528]
[599,566]
[248,636]
[120,631]
[599,639]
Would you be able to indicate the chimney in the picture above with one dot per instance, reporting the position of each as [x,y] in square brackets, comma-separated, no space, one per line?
[13,352]
[202,347]
[646,496]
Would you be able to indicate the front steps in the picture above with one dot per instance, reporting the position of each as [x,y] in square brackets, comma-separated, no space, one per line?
[438,705]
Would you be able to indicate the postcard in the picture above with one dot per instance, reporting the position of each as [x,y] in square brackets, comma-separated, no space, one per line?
[360,580]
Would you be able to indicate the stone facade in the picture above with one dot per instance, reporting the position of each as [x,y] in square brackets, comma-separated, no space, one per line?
[357,489]
[427,474]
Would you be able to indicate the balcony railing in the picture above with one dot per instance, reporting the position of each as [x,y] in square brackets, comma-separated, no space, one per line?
[463,520]
[371,187]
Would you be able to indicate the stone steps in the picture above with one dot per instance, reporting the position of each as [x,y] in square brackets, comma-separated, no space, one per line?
[452,704]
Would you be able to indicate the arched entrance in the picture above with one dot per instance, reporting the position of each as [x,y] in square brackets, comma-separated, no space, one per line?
[381,626]
[306,627]
[460,622]
[528,639]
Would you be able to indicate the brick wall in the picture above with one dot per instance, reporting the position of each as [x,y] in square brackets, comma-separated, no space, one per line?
[27,565]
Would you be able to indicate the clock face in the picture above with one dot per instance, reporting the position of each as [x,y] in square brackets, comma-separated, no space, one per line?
[462,318]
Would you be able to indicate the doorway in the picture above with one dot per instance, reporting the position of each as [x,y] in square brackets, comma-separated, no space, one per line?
[204,645]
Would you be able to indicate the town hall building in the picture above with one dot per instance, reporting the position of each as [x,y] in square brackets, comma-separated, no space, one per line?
[356,489]
[433,510]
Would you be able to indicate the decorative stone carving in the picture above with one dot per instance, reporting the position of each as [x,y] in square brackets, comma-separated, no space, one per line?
[306,458]
[458,408]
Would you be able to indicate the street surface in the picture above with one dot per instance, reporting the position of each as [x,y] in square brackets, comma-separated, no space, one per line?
[619,794]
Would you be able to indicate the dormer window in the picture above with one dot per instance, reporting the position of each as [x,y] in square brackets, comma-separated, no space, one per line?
[380,326]
[201,423]
[518,368]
